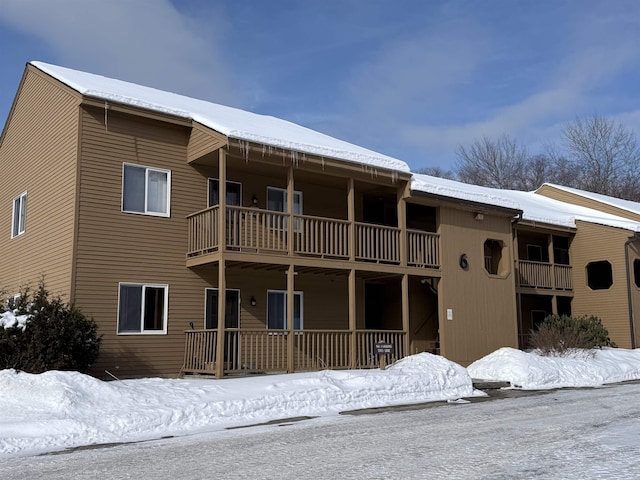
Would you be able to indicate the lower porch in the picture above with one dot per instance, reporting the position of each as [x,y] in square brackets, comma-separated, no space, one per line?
[263,351]
[337,318]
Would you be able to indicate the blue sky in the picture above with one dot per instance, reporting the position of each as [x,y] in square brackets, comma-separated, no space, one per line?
[413,79]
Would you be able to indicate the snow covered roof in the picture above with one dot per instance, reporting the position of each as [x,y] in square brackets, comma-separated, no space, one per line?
[232,122]
[535,208]
[541,209]
[461,191]
[628,205]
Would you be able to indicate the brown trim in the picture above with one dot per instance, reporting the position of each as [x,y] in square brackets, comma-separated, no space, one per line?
[76,213]
[137,111]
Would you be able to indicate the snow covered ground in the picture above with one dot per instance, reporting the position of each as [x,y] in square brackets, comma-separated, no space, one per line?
[58,410]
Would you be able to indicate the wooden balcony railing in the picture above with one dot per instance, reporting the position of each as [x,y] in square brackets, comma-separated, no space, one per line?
[203,232]
[254,229]
[423,249]
[322,349]
[267,350]
[366,351]
[562,278]
[321,236]
[544,275]
[260,231]
[200,351]
[377,243]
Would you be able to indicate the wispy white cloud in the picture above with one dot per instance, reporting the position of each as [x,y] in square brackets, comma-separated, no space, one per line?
[598,49]
[144,41]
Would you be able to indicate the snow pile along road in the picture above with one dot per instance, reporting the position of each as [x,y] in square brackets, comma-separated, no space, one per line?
[57,410]
[531,371]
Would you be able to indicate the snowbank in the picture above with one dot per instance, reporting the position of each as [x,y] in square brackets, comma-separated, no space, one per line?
[57,410]
[531,371]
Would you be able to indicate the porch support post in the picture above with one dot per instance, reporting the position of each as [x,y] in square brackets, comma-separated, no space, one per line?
[405,313]
[290,319]
[290,203]
[222,308]
[402,225]
[222,274]
[516,255]
[521,335]
[353,345]
[552,263]
[351,217]
[222,200]
[554,304]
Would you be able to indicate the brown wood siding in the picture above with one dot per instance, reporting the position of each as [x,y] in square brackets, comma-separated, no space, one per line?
[38,155]
[634,256]
[118,247]
[322,200]
[595,243]
[325,297]
[568,197]
[483,305]
[203,141]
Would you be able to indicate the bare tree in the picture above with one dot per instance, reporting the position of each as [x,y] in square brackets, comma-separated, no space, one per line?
[496,163]
[604,156]
[437,172]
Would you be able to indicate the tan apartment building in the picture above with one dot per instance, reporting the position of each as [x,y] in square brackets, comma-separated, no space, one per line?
[140,206]
[570,257]
[609,262]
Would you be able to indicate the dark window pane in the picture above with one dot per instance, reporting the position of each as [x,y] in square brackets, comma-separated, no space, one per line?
[297,310]
[16,217]
[154,308]
[276,200]
[130,308]
[214,195]
[275,310]
[133,189]
[599,275]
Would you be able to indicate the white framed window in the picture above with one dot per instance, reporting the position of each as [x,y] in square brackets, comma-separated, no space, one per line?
[142,308]
[19,215]
[146,190]
[277,202]
[277,310]
[234,193]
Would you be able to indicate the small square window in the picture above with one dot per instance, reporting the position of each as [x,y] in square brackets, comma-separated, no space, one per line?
[19,215]
[142,308]
[145,190]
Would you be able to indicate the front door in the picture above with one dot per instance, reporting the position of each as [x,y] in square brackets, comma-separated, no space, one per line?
[231,320]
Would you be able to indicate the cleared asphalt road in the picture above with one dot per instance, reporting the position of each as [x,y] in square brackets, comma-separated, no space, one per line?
[575,434]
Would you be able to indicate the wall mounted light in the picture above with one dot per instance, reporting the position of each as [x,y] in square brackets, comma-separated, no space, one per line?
[479,216]
[253,302]
[254,200]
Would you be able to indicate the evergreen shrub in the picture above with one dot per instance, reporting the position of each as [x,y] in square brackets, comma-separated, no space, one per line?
[562,334]
[57,336]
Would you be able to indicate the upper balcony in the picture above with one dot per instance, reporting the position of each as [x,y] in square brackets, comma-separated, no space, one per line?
[543,261]
[544,275]
[266,232]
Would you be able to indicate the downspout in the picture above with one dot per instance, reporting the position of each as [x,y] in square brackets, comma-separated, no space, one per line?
[629,296]
[516,279]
